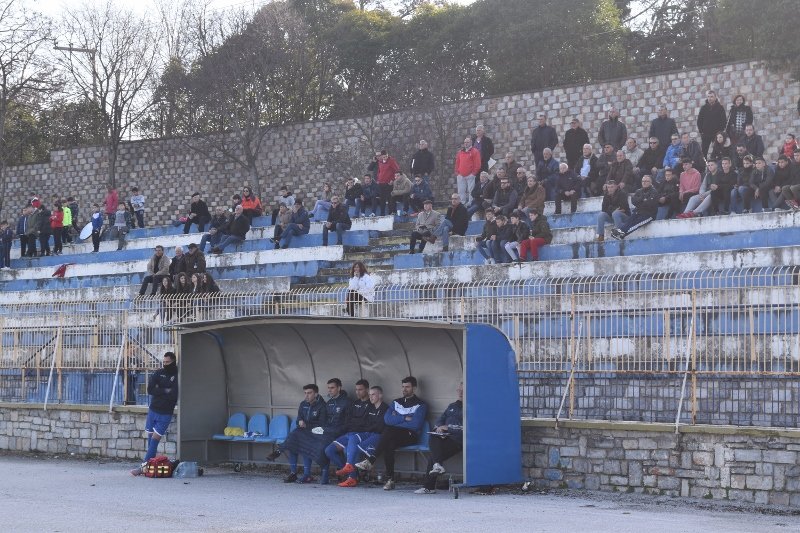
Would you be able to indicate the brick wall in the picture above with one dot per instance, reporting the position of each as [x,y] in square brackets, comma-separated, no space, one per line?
[305,155]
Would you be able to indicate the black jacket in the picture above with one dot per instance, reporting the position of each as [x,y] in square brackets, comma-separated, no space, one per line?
[459,218]
[487,151]
[353,192]
[711,119]
[357,416]
[200,209]
[422,162]
[521,231]
[574,139]
[489,229]
[618,200]
[540,228]
[646,201]
[568,181]
[541,138]
[340,215]
[374,422]
[177,265]
[163,389]
[652,158]
[663,129]
[239,227]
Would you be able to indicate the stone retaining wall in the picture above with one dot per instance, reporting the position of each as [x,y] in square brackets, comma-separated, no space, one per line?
[307,154]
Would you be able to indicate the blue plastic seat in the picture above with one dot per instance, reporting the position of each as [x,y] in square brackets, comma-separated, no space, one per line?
[423,444]
[278,430]
[257,424]
[237,420]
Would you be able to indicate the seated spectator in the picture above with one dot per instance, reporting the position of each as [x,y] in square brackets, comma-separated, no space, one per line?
[6,241]
[455,222]
[790,194]
[179,219]
[251,204]
[632,151]
[740,154]
[604,162]
[284,219]
[739,116]
[532,197]
[505,199]
[218,224]
[178,263]
[362,431]
[209,284]
[482,194]
[157,271]
[615,207]
[420,192]
[690,181]
[740,198]
[284,198]
[752,142]
[782,178]
[195,260]
[547,173]
[198,214]
[401,192]
[725,181]
[588,170]
[693,150]
[721,147]
[519,180]
[760,184]
[427,222]
[236,232]
[360,288]
[370,196]
[645,203]
[236,199]
[701,203]
[182,284]
[504,234]
[447,441]
[652,160]
[323,203]
[540,235]
[672,157]
[567,188]
[352,197]
[338,221]
[299,225]
[520,233]
[512,168]
[621,172]
[197,283]
[789,146]
[484,240]
[404,420]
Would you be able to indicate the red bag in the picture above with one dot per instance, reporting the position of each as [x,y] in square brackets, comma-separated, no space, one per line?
[159,466]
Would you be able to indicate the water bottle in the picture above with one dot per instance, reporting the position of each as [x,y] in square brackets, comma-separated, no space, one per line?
[186,469]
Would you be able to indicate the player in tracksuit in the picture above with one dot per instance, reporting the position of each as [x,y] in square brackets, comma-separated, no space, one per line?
[404,421]
[364,431]
[448,441]
[163,391]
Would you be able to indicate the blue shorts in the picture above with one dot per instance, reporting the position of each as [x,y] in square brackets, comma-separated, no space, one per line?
[157,423]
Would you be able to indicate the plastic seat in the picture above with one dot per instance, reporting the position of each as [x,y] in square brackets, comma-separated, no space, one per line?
[278,430]
[258,423]
[423,444]
[237,420]
[292,427]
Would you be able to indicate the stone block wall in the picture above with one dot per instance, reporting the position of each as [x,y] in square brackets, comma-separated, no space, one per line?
[307,154]
[78,429]
[758,466]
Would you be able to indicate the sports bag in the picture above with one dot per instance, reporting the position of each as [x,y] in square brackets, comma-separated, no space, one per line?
[159,466]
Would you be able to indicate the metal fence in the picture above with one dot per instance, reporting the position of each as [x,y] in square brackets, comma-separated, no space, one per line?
[711,347]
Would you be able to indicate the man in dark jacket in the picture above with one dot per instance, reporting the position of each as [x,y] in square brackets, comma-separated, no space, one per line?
[22,226]
[447,442]
[352,197]
[669,203]
[422,162]
[710,120]
[613,131]
[568,188]
[370,195]
[652,159]
[547,171]
[236,231]
[663,127]
[645,202]
[543,136]
[455,222]
[300,225]
[338,221]
[219,222]
[574,140]
[195,260]
[178,263]
[505,199]
[752,142]
[44,230]
[482,194]
[163,391]
[198,214]
[615,208]
[420,192]
[587,169]
[485,146]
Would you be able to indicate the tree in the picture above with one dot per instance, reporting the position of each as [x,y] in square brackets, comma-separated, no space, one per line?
[114,66]
[26,80]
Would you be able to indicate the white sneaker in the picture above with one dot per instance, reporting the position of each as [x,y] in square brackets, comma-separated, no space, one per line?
[493,262]
[389,485]
[487,261]
[372,215]
[437,469]
[364,465]
[423,490]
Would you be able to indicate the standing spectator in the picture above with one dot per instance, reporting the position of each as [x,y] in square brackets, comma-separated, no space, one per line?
[532,197]
[669,203]
[178,264]
[588,170]
[32,224]
[237,229]
[387,168]
[613,130]
[482,194]
[455,221]
[57,227]
[621,172]
[543,136]
[663,127]
[158,269]
[122,223]
[645,202]
[568,188]
[22,231]
[360,288]
[540,235]
[547,172]
[372,168]
[690,181]
[739,116]
[353,193]
[753,142]
[195,260]
[401,191]
[6,240]
[632,151]
[198,214]
[520,234]
[284,198]
[691,149]
[370,196]
[45,230]
[574,140]
[789,147]
[420,192]
[484,240]
[422,162]
[652,160]
[137,206]
[710,119]
[467,166]
[338,221]
[299,225]
[720,148]
[485,147]
[511,166]
[614,210]
[72,203]
[741,197]
[427,222]
[505,200]
[111,203]
[97,228]
[251,204]
[66,226]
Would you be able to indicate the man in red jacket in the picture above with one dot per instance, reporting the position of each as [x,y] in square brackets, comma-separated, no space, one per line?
[387,166]
[468,164]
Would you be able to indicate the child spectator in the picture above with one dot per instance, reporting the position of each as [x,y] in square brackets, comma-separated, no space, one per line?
[97,228]
[57,227]
[122,222]
[484,240]
[136,204]
[520,235]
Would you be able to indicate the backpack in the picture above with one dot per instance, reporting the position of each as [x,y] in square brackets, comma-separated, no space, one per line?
[159,466]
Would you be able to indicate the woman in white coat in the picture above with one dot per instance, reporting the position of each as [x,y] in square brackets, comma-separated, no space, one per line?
[361,287]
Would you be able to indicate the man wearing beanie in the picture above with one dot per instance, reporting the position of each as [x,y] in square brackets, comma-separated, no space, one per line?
[163,391]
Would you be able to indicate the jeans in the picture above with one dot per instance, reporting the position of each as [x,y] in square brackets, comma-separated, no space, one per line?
[499,251]
[485,249]
[394,200]
[338,227]
[155,280]
[550,188]
[603,218]
[291,230]
[320,211]
[442,232]
[140,218]
[743,197]
[371,203]
[228,240]
[512,249]
[465,186]
[200,221]
[356,202]
[212,239]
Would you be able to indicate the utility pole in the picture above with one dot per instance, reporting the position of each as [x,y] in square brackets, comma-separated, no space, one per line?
[92,52]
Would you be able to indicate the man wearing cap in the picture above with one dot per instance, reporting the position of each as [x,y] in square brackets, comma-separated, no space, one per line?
[422,162]
[427,222]
[195,260]
[543,136]
[574,140]
[614,210]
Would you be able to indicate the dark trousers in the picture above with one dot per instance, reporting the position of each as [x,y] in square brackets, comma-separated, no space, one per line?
[44,243]
[394,200]
[573,201]
[31,241]
[155,280]
[372,203]
[351,299]
[23,245]
[417,204]
[338,227]
[392,438]
[6,246]
[139,218]
[57,246]
[386,193]
[200,221]
[442,449]
[96,240]
[417,236]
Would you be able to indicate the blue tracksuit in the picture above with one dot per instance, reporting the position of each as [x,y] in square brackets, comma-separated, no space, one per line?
[365,426]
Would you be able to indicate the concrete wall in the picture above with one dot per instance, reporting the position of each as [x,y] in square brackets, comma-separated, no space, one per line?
[721,463]
[304,155]
[78,429]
